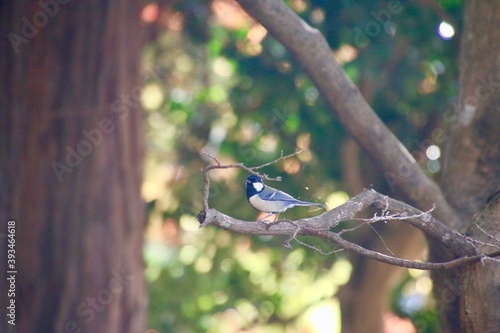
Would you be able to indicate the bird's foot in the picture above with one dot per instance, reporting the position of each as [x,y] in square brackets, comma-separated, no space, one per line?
[269,224]
[266,223]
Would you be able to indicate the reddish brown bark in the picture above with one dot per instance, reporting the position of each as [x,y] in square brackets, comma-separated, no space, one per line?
[471,172]
[71,150]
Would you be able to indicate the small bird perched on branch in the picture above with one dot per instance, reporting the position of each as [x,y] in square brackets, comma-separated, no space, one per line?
[270,200]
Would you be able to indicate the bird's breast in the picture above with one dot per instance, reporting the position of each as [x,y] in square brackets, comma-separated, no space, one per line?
[268,206]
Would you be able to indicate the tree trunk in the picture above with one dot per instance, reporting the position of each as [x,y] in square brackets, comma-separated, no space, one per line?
[71,150]
[471,173]
[364,299]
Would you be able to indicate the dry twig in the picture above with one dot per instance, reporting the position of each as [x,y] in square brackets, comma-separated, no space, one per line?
[319,226]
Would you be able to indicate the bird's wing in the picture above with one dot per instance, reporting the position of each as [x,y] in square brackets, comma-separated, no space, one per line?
[273,194]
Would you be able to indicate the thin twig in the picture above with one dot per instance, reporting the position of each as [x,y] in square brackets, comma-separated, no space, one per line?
[250,170]
[315,248]
[489,236]
[383,241]
[278,159]
[292,237]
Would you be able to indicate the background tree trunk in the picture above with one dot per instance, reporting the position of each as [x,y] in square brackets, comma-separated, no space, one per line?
[470,299]
[72,153]
[364,301]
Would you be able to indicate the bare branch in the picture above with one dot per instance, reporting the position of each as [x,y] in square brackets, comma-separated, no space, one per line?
[314,227]
[250,170]
[319,226]
[429,225]
[278,159]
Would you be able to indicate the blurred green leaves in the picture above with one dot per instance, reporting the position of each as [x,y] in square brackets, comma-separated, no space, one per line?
[216,80]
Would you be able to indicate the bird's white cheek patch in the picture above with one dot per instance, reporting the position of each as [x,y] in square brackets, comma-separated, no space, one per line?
[258,186]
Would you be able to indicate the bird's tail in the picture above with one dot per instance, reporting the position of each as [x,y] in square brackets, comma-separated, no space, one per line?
[305,203]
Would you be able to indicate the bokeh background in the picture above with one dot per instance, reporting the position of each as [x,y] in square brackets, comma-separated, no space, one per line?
[214,79]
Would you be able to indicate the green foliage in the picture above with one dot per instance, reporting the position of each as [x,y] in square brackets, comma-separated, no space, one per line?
[195,284]
[233,90]
[410,299]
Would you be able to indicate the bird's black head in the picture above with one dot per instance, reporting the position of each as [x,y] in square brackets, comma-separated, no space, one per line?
[254,185]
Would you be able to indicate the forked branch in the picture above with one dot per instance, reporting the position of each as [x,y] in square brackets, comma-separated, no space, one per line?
[320,226]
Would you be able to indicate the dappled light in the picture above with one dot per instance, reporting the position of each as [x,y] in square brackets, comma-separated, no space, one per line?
[446,30]
[250,166]
[221,83]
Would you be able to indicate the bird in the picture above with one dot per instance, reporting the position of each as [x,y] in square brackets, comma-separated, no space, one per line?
[270,200]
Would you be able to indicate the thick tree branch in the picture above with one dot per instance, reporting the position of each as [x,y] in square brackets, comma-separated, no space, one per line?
[311,50]
[315,226]
[319,226]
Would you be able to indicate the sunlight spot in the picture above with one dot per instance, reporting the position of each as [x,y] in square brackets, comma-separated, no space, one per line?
[256,34]
[305,156]
[222,67]
[217,94]
[446,30]
[187,254]
[299,5]
[291,166]
[341,271]
[151,97]
[395,324]
[433,152]
[303,141]
[317,15]
[150,13]
[415,273]
[230,15]
[336,199]
[268,143]
[423,285]
[323,317]
[189,223]
[246,310]
[203,265]
[226,265]
[345,54]
[205,302]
